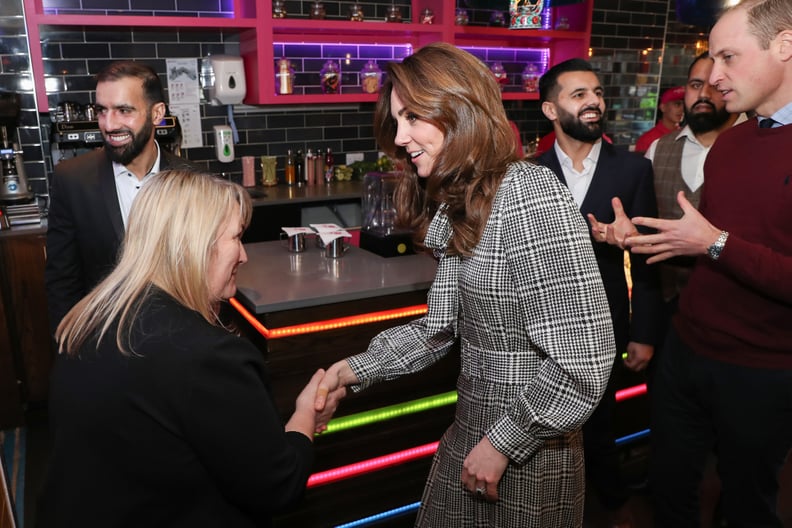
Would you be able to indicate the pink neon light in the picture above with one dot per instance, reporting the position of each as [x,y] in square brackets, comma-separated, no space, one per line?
[371,465]
[631,392]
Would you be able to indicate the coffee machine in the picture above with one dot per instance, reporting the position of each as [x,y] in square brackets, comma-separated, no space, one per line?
[14,188]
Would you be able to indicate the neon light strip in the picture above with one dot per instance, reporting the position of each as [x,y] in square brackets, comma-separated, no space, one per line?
[328,324]
[371,465]
[631,392]
[390,412]
[633,437]
[365,521]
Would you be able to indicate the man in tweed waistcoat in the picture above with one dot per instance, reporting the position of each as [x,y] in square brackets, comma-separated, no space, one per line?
[678,161]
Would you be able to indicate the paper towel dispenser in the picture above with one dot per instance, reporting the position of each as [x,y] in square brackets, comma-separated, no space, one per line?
[223,79]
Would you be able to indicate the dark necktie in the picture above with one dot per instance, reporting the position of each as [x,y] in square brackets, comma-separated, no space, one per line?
[767,122]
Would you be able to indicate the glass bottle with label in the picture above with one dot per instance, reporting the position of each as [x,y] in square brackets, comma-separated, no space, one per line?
[330,77]
[370,77]
[284,78]
[317,10]
[291,172]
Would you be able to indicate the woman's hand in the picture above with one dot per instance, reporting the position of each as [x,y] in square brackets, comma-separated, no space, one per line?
[338,376]
[483,469]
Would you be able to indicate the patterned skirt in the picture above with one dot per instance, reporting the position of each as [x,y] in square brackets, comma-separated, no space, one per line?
[545,492]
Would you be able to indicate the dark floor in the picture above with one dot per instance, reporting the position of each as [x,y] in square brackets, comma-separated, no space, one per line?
[634,467]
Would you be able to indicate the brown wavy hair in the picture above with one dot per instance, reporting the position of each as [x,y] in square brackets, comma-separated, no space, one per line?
[456,92]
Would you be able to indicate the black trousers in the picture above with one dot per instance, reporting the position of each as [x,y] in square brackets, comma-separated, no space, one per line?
[603,470]
[743,414]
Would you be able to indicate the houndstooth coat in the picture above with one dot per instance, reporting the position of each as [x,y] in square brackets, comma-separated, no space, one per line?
[536,350]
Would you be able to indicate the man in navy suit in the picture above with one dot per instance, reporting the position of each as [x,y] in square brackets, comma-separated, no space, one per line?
[90,195]
[595,172]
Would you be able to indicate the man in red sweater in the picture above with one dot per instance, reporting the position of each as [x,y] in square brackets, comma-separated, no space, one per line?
[724,378]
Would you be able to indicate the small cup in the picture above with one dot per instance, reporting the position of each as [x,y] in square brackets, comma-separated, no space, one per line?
[294,243]
[268,176]
[336,248]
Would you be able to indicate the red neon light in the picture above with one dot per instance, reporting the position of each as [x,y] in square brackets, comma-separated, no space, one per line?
[371,465]
[327,324]
[631,392]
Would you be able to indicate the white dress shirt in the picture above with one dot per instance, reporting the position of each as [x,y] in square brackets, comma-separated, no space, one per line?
[579,181]
[128,185]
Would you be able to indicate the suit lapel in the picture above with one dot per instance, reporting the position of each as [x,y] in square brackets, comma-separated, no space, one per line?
[110,196]
[601,189]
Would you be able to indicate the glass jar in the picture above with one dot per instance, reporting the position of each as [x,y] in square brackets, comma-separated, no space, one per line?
[284,77]
[370,77]
[330,77]
[356,13]
[499,72]
[461,18]
[530,78]
[317,10]
[498,18]
[394,14]
[427,16]
[278,9]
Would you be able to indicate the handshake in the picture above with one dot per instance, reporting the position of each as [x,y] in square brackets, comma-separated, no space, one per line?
[319,399]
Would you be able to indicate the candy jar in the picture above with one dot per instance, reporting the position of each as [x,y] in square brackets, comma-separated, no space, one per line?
[461,18]
[370,77]
[317,10]
[562,24]
[356,13]
[498,18]
[500,74]
[427,16]
[284,77]
[278,9]
[394,14]
[530,78]
[330,77]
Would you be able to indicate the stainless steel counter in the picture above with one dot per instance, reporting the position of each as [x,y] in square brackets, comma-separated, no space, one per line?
[274,279]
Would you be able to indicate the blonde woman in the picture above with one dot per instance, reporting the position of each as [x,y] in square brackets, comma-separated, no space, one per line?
[159,415]
[516,284]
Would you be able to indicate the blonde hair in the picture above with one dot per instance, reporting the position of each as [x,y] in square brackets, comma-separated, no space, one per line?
[456,92]
[173,228]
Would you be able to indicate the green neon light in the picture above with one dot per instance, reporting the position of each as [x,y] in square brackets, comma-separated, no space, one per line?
[390,412]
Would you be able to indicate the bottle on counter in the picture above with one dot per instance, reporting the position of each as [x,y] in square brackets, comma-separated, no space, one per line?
[328,166]
[291,178]
[319,167]
[310,168]
[299,173]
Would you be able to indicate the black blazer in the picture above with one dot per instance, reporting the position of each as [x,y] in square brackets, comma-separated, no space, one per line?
[84,227]
[183,434]
[630,177]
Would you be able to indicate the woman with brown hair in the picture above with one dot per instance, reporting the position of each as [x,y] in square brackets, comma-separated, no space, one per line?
[517,285]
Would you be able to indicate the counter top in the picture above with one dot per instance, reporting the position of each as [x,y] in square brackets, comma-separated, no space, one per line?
[291,194]
[275,279]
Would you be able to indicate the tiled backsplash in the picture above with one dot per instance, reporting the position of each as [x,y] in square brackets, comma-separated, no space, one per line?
[627,42]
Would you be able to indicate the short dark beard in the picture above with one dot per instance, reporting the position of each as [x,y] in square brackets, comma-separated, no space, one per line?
[577,129]
[706,121]
[126,154]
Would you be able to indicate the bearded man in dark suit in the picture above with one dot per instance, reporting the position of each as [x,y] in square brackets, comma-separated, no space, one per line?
[90,195]
[595,172]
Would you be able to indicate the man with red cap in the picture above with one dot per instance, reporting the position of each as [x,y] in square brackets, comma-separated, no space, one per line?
[672,108]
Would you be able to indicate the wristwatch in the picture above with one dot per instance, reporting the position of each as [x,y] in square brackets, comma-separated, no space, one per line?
[715,249]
